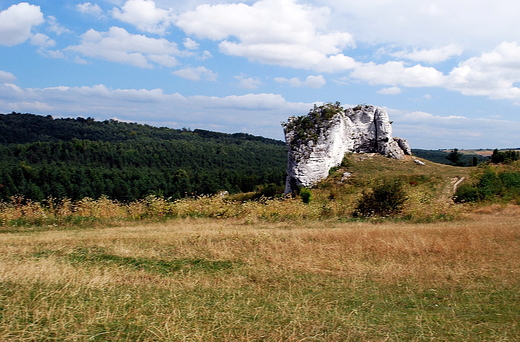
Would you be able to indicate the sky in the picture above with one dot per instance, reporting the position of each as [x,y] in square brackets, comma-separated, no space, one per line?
[447,71]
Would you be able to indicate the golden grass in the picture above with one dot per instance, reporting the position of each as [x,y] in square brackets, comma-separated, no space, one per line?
[197,279]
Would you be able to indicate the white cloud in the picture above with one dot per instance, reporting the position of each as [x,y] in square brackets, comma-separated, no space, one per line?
[117,45]
[430,56]
[190,44]
[91,9]
[280,32]
[145,15]
[6,77]
[196,74]
[42,40]
[472,25]
[17,21]
[248,82]
[55,27]
[163,59]
[492,74]
[311,81]
[51,54]
[396,73]
[315,81]
[390,91]
[425,130]
[80,60]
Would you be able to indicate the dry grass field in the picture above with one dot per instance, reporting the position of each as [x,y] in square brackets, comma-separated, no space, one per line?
[202,279]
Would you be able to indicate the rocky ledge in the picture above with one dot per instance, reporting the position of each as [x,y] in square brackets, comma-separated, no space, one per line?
[319,141]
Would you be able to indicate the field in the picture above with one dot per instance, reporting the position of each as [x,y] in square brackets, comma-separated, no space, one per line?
[271,269]
[201,279]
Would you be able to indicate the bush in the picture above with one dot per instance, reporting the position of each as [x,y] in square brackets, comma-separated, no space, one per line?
[491,186]
[385,200]
[305,195]
[466,193]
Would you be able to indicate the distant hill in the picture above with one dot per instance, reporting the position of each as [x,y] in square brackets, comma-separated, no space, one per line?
[44,157]
[439,156]
[16,128]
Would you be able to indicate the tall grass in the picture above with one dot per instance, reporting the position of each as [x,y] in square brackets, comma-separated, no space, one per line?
[26,214]
[200,279]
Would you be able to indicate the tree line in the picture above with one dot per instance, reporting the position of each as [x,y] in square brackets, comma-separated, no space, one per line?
[44,157]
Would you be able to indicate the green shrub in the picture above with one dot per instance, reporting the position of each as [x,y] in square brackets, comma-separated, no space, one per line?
[491,186]
[305,195]
[385,200]
[345,162]
[466,193]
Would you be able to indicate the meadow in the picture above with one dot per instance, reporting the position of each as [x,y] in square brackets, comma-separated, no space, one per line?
[228,268]
[200,279]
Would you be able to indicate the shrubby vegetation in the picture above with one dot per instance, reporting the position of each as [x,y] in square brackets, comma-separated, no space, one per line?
[506,157]
[310,126]
[385,200]
[76,158]
[493,183]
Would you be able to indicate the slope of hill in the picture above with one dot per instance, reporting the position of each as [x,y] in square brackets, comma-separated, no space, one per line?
[76,158]
[16,128]
[429,187]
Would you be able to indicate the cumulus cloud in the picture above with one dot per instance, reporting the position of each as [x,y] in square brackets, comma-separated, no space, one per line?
[248,82]
[429,24]
[6,77]
[17,21]
[56,27]
[492,74]
[43,40]
[196,74]
[396,73]
[190,44]
[310,82]
[118,45]
[91,9]
[145,15]
[430,56]
[390,91]
[280,32]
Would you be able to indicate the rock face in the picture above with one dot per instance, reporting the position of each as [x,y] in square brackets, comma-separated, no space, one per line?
[319,141]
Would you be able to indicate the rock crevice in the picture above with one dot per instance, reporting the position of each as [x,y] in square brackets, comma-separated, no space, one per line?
[319,141]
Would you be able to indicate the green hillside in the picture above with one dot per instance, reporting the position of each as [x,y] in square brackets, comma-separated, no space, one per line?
[75,158]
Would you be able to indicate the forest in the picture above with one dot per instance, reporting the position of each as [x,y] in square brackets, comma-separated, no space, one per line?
[42,157]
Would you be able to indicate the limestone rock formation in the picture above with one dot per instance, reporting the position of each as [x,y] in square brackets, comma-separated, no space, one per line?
[319,141]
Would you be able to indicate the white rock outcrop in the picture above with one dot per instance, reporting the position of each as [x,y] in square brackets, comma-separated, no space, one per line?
[319,141]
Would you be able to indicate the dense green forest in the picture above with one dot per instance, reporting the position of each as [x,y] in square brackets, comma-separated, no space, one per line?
[44,157]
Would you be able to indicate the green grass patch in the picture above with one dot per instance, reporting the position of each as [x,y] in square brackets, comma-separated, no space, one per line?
[308,307]
[98,256]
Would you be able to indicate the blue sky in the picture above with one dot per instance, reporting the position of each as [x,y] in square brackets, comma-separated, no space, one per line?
[447,71]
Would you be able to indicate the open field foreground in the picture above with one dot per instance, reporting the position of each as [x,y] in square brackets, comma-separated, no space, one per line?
[223,280]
